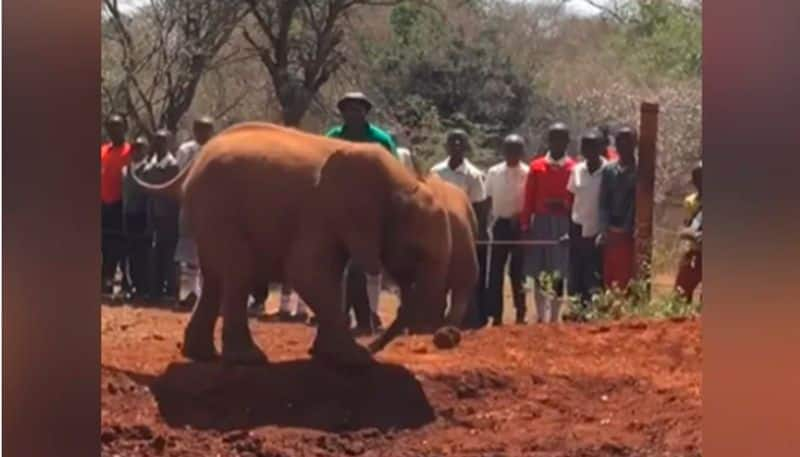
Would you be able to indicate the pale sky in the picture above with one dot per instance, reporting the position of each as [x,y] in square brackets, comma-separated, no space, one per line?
[578,7]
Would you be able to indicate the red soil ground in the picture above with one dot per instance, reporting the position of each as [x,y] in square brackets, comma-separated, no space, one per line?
[623,389]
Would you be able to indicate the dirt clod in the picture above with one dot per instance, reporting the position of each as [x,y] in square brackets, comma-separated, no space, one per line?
[235,436]
[139,432]
[107,437]
[447,338]
[159,443]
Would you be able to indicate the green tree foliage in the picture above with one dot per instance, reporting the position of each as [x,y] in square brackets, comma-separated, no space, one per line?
[434,77]
[663,36]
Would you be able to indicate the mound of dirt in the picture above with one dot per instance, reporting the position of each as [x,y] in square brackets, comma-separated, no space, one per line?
[629,389]
[290,394]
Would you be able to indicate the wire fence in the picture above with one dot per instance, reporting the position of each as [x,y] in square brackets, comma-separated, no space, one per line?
[156,233]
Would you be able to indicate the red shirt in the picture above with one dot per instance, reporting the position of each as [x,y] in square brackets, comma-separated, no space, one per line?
[611,154]
[112,160]
[547,180]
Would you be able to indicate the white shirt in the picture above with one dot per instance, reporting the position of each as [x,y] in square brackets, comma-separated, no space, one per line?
[404,155]
[186,153]
[585,187]
[467,176]
[506,187]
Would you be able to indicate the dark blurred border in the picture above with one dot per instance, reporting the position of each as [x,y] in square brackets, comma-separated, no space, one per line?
[751,129]
[51,317]
[51,228]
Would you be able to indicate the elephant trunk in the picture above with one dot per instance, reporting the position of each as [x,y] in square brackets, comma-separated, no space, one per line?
[459,300]
[421,307]
[462,282]
[399,324]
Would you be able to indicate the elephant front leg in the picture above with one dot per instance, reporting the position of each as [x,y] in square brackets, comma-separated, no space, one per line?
[335,344]
[319,283]
[460,296]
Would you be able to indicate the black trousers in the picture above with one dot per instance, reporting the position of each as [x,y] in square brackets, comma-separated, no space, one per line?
[357,299]
[112,243]
[137,253]
[506,230]
[165,284]
[478,310]
[585,264]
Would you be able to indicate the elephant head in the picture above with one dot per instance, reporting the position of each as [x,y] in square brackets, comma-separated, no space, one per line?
[388,219]
[419,248]
[462,272]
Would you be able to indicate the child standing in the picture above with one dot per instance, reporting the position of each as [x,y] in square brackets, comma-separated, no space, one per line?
[584,185]
[546,217]
[690,270]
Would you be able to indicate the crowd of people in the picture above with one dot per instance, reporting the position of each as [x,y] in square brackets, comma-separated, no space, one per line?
[566,223]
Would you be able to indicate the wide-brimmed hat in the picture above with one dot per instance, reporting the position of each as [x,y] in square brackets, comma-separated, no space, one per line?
[357,97]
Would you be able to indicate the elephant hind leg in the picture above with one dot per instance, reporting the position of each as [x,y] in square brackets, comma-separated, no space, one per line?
[238,347]
[198,338]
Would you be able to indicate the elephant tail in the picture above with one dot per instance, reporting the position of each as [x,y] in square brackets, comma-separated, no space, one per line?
[172,188]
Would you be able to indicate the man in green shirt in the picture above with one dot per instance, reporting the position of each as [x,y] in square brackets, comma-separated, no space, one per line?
[362,291]
[354,108]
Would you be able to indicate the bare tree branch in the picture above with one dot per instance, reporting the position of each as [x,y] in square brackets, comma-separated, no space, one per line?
[221,112]
[610,11]
[302,48]
[167,46]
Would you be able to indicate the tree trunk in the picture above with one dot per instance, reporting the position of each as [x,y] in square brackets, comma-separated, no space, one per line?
[294,109]
[293,114]
[295,100]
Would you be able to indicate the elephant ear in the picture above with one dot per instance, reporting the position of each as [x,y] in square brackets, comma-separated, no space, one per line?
[353,191]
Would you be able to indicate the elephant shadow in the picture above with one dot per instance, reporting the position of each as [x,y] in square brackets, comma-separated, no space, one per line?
[303,393]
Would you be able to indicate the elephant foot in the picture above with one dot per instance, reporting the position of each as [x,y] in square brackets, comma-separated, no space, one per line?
[199,354]
[350,356]
[244,356]
[198,349]
[242,351]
